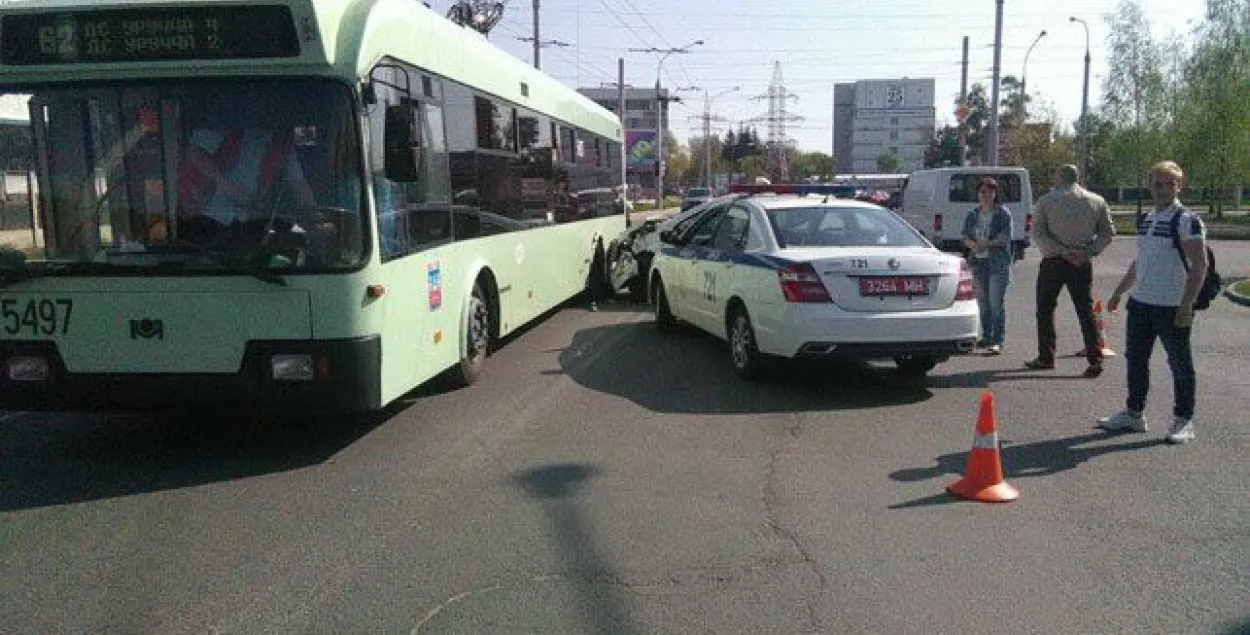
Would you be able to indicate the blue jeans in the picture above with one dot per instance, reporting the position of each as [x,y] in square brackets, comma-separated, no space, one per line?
[991,282]
[1145,323]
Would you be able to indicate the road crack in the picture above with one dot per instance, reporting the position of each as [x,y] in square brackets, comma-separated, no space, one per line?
[772,519]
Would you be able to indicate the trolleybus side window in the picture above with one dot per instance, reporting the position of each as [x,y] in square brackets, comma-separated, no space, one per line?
[506,168]
[498,167]
[537,169]
[409,164]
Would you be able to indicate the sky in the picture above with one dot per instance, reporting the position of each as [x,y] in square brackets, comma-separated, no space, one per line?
[819,43]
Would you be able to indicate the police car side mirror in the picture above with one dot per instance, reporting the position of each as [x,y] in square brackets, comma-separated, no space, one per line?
[400,151]
[667,236]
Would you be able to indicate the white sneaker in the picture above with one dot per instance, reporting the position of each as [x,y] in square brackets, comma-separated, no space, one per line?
[1182,430]
[1123,421]
[996,349]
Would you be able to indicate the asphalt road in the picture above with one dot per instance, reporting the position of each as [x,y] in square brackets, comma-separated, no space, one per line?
[605,478]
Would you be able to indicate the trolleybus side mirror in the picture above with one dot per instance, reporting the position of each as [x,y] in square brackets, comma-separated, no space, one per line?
[401,158]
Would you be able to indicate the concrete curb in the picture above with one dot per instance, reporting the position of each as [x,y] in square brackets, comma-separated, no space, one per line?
[1236,298]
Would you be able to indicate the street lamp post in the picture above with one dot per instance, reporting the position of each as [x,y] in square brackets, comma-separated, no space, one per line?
[707,133]
[659,115]
[1024,74]
[1084,124]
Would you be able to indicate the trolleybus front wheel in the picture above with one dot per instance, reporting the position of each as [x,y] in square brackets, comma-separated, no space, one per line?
[477,339]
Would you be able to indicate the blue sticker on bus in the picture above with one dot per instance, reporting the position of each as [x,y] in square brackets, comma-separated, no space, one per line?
[434,277]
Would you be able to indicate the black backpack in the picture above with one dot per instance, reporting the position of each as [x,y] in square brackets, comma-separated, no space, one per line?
[1212,284]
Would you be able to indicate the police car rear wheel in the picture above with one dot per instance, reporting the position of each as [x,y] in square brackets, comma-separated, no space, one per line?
[742,347]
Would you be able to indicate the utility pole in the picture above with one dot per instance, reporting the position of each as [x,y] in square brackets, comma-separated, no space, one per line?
[620,109]
[661,107]
[539,43]
[707,119]
[707,140]
[963,103]
[620,85]
[998,56]
[1084,123]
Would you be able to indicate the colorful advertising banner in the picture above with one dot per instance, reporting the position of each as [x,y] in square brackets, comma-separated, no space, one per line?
[640,148]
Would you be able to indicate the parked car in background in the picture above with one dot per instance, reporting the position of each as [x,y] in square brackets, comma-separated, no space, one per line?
[814,278]
[695,196]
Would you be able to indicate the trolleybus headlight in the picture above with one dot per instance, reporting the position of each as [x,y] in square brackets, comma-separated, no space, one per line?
[28,368]
[292,367]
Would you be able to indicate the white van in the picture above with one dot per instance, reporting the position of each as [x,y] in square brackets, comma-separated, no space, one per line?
[936,201]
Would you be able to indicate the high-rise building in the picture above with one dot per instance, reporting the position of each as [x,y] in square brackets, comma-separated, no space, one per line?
[882,117]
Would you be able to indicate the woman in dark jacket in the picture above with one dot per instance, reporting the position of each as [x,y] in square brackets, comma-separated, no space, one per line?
[987,236]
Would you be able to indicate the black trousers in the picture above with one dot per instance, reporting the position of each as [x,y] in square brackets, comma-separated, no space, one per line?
[1052,276]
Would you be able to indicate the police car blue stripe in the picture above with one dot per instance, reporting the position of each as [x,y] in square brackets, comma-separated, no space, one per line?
[762,261]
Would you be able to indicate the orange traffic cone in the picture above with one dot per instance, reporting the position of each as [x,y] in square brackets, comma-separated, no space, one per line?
[1100,321]
[983,478]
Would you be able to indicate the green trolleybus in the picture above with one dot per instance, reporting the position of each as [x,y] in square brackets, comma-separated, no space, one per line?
[289,204]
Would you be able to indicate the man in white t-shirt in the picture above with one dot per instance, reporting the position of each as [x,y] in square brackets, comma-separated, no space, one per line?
[1161,304]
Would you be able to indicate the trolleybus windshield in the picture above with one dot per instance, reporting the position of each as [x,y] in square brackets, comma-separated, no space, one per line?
[196,176]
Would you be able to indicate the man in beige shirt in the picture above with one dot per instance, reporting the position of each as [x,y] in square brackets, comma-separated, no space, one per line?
[1071,225]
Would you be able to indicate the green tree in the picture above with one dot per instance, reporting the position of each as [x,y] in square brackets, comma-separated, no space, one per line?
[809,164]
[1214,112]
[978,118]
[751,167]
[944,149]
[1011,105]
[1011,113]
[680,166]
[745,143]
[727,148]
[1102,134]
[700,150]
[1134,95]
[1041,147]
[889,163]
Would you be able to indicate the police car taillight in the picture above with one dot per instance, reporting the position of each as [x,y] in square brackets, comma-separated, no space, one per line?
[801,283]
[967,289]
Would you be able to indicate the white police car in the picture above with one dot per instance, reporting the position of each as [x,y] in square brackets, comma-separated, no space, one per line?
[812,277]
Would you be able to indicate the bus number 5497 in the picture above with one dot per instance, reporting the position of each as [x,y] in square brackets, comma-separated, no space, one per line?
[38,316]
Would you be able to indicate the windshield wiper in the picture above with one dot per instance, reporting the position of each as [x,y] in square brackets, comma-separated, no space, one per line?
[8,277]
[264,275]
[260,273]
[11,275]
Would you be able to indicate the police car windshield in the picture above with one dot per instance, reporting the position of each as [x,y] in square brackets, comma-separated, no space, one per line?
[197,174]
[833,226]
